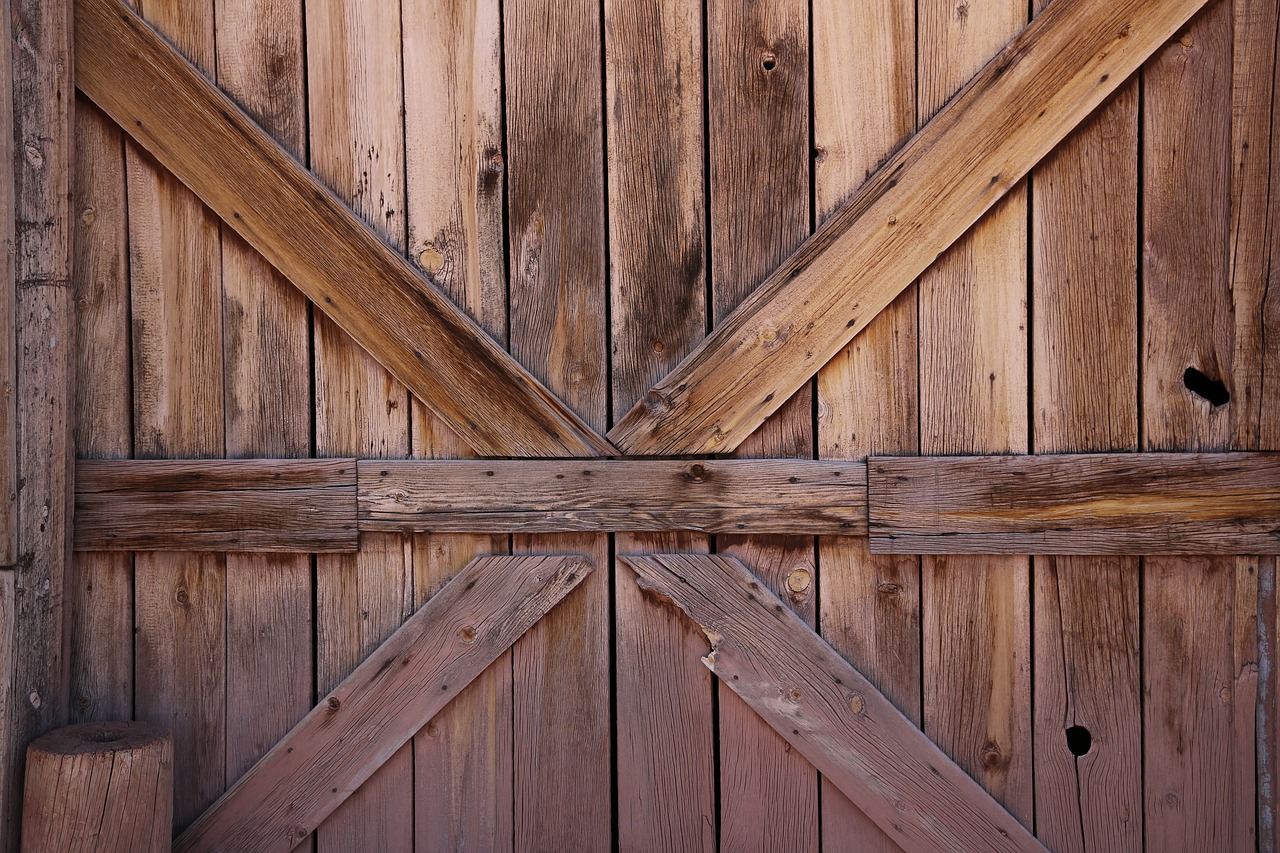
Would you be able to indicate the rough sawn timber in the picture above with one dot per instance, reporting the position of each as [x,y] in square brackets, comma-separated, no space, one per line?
[315,240]
[1022,103]
[377,709]
[1123,503]
[828,710]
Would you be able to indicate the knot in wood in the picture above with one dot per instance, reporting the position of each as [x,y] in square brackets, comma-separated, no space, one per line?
[467,634]
[799,581]
[334,703]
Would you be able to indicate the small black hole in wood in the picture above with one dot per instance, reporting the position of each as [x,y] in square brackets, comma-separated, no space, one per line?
[1209,389]
[1079,741]
[769,62]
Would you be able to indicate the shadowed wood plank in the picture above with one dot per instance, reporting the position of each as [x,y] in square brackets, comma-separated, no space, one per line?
[713,496]
[242,505]
[1125,503]
[317,242]
[378,708]
[1022,103]
[8,318]
[828,710]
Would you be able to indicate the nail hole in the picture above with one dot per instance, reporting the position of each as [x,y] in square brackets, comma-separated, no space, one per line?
[1209,389]
[1079,741]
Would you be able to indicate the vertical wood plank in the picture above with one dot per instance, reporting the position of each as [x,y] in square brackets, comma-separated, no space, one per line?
[357,147]
[1199,614]
[657,258]
[102,617]
[864,105]
[973,398]
[34,593]
[758,107]
[1086,685]
[558,331]
[176,300]
[455,176]
[267,389]
[8,317]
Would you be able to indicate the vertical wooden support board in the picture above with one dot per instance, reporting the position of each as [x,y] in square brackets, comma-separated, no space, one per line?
[102,610]
[758,108]
[657,259]
[463,773]
[8,316]
[973,399]
[267,389]
[176,295]
[864,105]
[1087,681]
[558,323]
[1199,613]
[33,595]
[357,148]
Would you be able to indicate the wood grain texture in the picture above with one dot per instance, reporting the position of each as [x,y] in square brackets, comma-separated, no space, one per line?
[102,611]
[921,200]
[864,106]
[559,308]
[8,316]
[828,710]
[375,711]
[665,727]
[317,242]
[38,38]
[1125,503]
[1086,678]
[528,496]
[462,759]
[973,398]
[355,101]
[758,78]
[246,505]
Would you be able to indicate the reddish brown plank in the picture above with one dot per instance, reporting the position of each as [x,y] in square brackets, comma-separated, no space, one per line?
[375,711]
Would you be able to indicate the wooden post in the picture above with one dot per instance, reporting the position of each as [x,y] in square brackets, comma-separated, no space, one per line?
[99,788]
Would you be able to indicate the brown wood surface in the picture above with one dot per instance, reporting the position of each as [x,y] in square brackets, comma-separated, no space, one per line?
[976,611]
[102,618]
[1125,503]
[176,307]
[559,307]
[392,694]
[455,181]
[528,496]
[99,788]
[828,710]
[355,101]
[316,241]
[8,319]
[36,591]
[242,505]
[864,106]
[665,729]
[758,77]
[920,201]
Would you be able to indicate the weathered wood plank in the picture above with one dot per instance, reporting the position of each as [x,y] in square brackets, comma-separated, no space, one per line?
[665,727]
[8,315]
[455,170]
[559,329]
[1086,678]
[864,106]
[528,496]
[1022,103]
[1126,503]
[246,505]
[102,618]
[375,711]
[355,119]
[316,241]
[828,710]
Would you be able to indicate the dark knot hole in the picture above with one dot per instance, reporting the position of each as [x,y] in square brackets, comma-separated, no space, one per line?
[1079,741]
[1202,386]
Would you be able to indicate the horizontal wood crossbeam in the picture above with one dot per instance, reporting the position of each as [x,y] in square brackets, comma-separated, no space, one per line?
[829,711]
[1116,503]
[305,231]
[289,505]
[389,697]
[1022,104]
[713,496]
